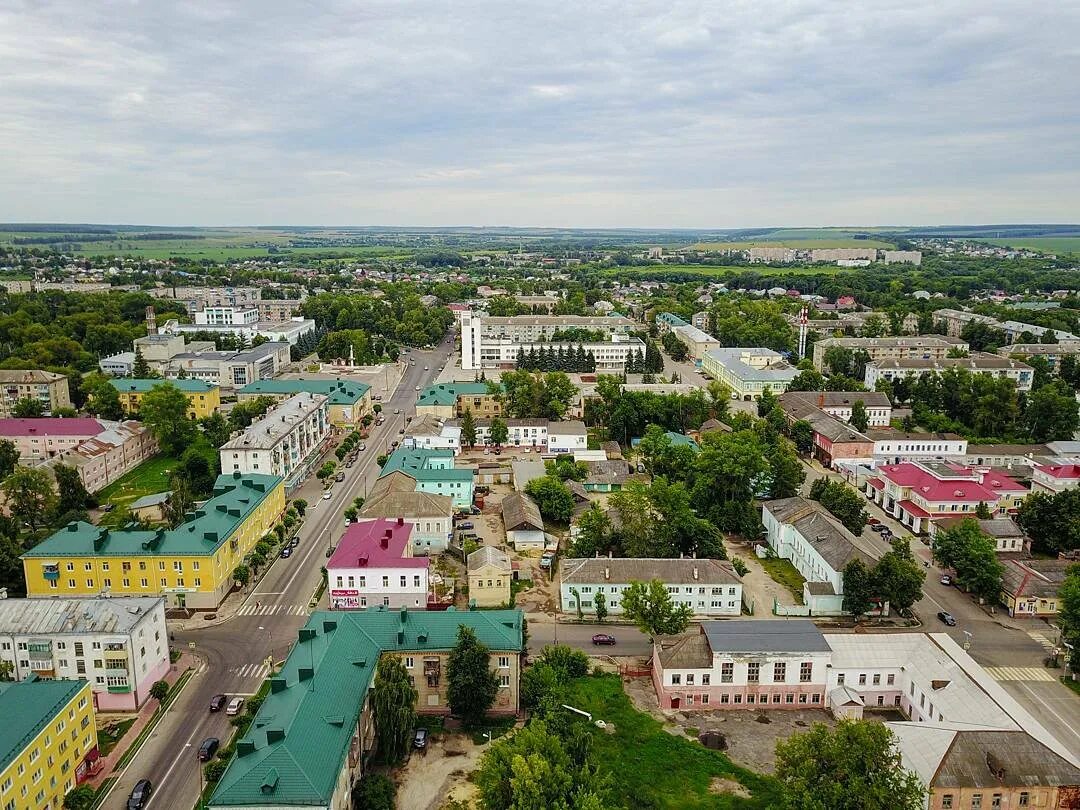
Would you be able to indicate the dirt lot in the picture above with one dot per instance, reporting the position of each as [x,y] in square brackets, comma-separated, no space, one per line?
[759,589]
[427,780]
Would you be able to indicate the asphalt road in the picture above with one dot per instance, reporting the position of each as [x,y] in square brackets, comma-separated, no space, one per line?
[234,653]
[628,640]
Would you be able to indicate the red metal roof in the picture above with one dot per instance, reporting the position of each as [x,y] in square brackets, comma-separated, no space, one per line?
[50,426]
[912,509]
[876,483]
[1060,470]
[362,546]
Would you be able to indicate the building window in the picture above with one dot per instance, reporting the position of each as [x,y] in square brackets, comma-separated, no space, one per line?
[504,662]
[862,679]
[946,802]
[840,679]
[890,679]
[779,673]
[995,801]
[504,681]
[1024,799]
[753,672]
[409,662]
[976,801]
[705,679]
[689,678]
[806,669]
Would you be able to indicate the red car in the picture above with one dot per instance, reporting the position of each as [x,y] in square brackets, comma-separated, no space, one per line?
[603,638]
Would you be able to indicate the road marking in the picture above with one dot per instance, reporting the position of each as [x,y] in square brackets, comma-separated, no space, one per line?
[1046,643]
[183,750]
[259,671]
[1019,674]
[1069,725]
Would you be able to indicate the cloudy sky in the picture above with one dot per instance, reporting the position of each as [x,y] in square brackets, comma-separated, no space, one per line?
[729,113]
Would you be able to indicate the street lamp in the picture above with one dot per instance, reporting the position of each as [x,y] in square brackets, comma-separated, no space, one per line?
[967,639]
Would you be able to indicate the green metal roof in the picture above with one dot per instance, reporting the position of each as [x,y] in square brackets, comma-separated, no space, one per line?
[235,497]
[447,393]
[141,386]
[415,464]
[339,392]
[27,708]
[295,749]
[681,440]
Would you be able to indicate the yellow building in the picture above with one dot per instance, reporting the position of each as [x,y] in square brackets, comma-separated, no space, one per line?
[191,565]
[48,741]
[203,398]
[490,573]
[348,400]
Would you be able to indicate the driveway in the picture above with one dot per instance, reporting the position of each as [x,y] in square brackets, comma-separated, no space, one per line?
[428,780]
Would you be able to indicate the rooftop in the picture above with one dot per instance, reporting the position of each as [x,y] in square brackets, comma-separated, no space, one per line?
[59,615]
[26,376]
[777,368]
[670,570]
[141,386]
[51,426]
[838,399]
[376,544]
[1038,579]
[764,636]
[447,393]
[337,391]
[519,511]
[828,537]
[487,555]
[1061,471]
[394,496]
[278,422]
[975,362]
[28,707]
[416,463]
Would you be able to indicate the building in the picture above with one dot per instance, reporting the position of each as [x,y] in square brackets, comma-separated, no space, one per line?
[120,646]
[771,254]
[151,508]
[44,437]
[287,441]
[230,369]
[1008,537]
[696,340]
[431,433]
[740,663]
[1053,478]
[896,446]
[347,401]
[843,254]
[235,323]
[227,316]
[191,565]
[606,476]
[523,471]
[489,573]
[708,587]
[748,372]
[566,437]
[432,471]
[373,564]
[834,439]
[158,349]
[926,347]
[494,342]
[956,319]
[1029,588]
[197,298]
[314,732]
[902,256]
[840,403]
[818,545]
[431,516]
[522,521]
[976,363]
[45,387]
[48,741]
[447,400]
[203,398]
[119,448]
[279,310]
[1051,352]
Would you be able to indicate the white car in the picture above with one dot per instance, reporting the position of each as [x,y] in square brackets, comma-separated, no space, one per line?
[361,447]
[327,495]
[234,706]
[418,388]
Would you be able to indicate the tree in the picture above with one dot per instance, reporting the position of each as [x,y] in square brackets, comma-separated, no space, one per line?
[71,494]
[1069,612]
[766,402]
[163,409]
[180,501]
[7,668]
[802,434]
[859,419]
[468,429]
[102,398]
[30,496]
[854,766]
[394,703]
[140,369]
[899,577]
[842,501]
[1051,521]
[241,574]
[300,505]
[982,511]
[471,684]
[601,607]
[213,771]
[859,588]
[973,556]
[9,457]
[160,690]
[1052,413]
[499,432]
[786,471]
[80,798]
[374,791]
[594,532]
[650,607]
[27,408]
[553,497]
[216,429]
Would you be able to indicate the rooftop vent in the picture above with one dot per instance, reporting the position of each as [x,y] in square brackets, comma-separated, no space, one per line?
[245,747]
[269,784]
[274,735]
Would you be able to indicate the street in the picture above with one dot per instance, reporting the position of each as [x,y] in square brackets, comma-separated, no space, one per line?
[235,652]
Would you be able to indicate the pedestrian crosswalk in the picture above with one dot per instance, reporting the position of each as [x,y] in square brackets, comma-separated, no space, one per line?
[254,609]
[1046,643]
[259,671]
[1020,674]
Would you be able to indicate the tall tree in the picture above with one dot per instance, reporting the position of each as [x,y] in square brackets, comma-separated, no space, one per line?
[552,497]
[9,457]
[593,532]
[216,429]
[102,398]
[471,685]
[500,432]
[393,701]
[163,410]
[843,502]
[1069,612]
[973,556]
[468,429]
[651,608]
[140,369]
[30,496]
[859,420]
[899,577]
[802,433]
[859,588]
[1052,413]
[1051,521]
[27,408]
[71,494]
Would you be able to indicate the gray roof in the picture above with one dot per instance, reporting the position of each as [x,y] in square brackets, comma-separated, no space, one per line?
[572,427]
[1039,579]
[394,496]
[487,555]
[831,427]
[764,636]
[839,399]
[836,545]
[685,652]
[975,362]
[613,471]
[1017,757]
[156,499]
[993,527]
[96,615]
[519,511]
[526,471]
[670,570]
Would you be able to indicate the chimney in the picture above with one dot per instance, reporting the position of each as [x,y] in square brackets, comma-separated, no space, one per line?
[821,400]
[695,572]
[607,573]
[400,521]
[384,541]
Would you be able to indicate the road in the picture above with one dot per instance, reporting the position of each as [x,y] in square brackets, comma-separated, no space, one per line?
[234,653]
[628,640]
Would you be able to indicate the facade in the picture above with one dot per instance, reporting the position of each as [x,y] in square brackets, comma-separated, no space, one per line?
[708,587]
[840,403]
[227,316]
[230,369]
[1053,478]
[522,521]
[347,401]
[927,347]
[120,646]
[42,438]
[447,400]
[1008,537]
[896,446]
[196,298]
[696,340]
[818,545]
[431,516]
[374,565]
[976,363]
[748,372]
[1051,352]
[119,448]
[433,472]
[190,565]
[279,310]
[1029,588]
[834,439]
[956,319]
[494,342]
[46,387]
[567,437]
[489,573]
[432,433]
[312,735]
[203,398]
[287,441]
[288,331]
[48,741]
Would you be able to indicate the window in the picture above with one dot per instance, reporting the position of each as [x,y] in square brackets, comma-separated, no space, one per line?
[704,699]
[946,802]
[840,679]
[862,679]
[776,697]
[753,672]
[676,679]
[727,672]
[789,698]
[143,583]
[976,801]
[806,669]
[504,663]
[409,662]
[1024,799]
[416,581]
[890,679]
[705,679]
[504,681]
[725,698]
[403,580]
[386,582]
[689,678]
[779,672]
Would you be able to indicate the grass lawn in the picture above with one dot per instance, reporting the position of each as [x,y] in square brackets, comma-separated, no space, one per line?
[1048,244]
[1071,684]
[108,737]
[784,573]
[495,727]
[650,768]
[149,477]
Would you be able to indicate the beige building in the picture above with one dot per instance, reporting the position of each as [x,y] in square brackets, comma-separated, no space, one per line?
[490,573]
[46,387]
[116,450]
[926,347]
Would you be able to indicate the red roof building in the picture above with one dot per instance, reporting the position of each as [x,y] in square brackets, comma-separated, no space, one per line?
[1054,478]
[373,566]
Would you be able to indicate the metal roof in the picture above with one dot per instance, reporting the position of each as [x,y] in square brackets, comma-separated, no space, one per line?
[59,615]
[669,570]
[338,391]
[141,386]
[519,512]
[28,707]
[764,636]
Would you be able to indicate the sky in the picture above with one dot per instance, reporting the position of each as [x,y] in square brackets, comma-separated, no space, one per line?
[731,113]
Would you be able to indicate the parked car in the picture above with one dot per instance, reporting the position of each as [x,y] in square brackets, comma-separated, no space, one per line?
[393,444]
[361,446]
[235,705]
[425,368]
[140,795]
[208,748]
[419,740]
[327,495]
[418,388]
[339,477]
[872,521]
[397,410]
[948,618]
[286,552]
[348,464]
[469,536]
[603,639]
[294,542]
[466,524]
[217,703]
[946,579]
[108,507]
[476,510]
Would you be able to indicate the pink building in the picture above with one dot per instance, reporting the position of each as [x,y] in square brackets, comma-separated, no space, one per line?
[1054,478]
[373,566]
[44,437]
[919,493]
[100,460]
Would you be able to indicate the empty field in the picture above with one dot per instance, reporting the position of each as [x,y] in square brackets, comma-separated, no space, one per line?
[1048,244]
[796,244]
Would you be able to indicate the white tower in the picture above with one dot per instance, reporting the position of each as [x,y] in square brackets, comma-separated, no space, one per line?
[802,333]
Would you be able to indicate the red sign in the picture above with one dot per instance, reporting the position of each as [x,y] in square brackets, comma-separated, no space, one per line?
[344,593]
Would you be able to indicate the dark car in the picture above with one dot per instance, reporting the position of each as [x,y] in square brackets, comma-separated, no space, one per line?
[286,552]
[208,748]
[476,510]
[217,703]
[140,795]
[465,524]
[603,638]
[339,477]
[419,740]
[294,542]
[948,618]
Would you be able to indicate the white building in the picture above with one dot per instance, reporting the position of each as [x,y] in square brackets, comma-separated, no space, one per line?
[976,363]
[522,522]
[895,446]
[230,369]
[494,342]
[286,442]
[227,316]
[431,516]
[567,437]
[709,587]
[373,566]
[840,403]
[119,645]
[749,371]
[289,331]
[428,432]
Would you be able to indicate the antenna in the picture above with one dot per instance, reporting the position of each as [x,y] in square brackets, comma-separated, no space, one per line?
[802,332]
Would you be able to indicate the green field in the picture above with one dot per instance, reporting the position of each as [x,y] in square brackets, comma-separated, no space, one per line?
[149,477]
[795,243]
[1061,245]
[723,271]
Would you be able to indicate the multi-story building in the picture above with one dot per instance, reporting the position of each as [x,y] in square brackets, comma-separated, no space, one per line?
[313,734]
[896,446]
[203,398]
[287,441]
[489,573]
[1019,372]
[432,471]
[1008,537]
[121,646]
[956,319]
[901,256]
[348,401]
[431,516]
[1053,478]
[696,340]
[494,342]
[926,347]
[834,439]
[708,587]
[197,298]
[771,254]
[843,254]
[373,564]
[289,331]
[191,565]
[279,310]
[1052,353]
[447,400]
[227,316]
[567,437]
[431,433]
[840,403]
[230,369]
[45,387]
[48,741]
[119,448]
[44,437]
[748,372]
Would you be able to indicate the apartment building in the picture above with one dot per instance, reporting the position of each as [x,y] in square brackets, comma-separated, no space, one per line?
[1052,478]
[373,564]
[119,448]
[994,365]
[197,298]
[48,741]
[707,587]
[896,446]
[771,254]
[312,735]
[347,401]
[956,319]
[227,316]
[203,398]
[286,442]
[229,369]
[45,387]
[121,646]
[749,371]
[840,403]
[279,310]
[902,257]
[45,437]
[926,347]
[431,433]
[432,471]
[1052,353]
[834,440]
[191,565]
[447,400]
[843,254]
[489,573]
[494,342]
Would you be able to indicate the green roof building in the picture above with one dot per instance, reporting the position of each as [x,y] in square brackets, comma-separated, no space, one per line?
[203,398]
[433,471]
[348,400]
[681,440]
[312,735]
